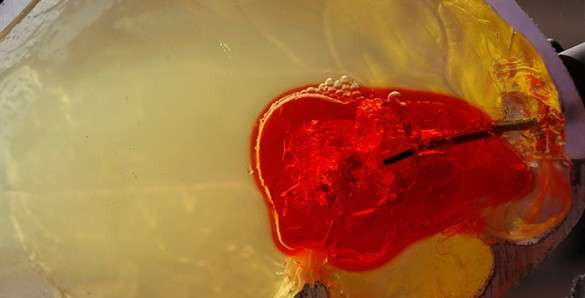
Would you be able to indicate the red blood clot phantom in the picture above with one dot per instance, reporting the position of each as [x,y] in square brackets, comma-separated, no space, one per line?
[318,158]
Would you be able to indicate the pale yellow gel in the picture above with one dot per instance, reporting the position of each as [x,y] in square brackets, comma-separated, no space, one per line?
[125,165]
[438,267]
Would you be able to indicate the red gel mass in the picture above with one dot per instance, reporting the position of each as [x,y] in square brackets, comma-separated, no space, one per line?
[318,160]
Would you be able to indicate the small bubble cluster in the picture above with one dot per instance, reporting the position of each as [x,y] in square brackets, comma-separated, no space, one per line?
[342,88]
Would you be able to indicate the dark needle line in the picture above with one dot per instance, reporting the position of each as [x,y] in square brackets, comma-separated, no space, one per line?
[496,129]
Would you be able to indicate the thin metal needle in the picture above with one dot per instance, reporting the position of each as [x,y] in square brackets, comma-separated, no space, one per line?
[497,129]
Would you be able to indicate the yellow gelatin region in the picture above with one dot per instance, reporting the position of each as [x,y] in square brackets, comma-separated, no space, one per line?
[125,132]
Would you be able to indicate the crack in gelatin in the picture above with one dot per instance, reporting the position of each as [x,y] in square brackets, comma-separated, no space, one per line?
[318,155]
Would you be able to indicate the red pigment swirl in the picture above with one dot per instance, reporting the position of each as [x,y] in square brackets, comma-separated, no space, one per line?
[318,161]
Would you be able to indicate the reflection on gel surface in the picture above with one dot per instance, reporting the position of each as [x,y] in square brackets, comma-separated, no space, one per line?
[127,128]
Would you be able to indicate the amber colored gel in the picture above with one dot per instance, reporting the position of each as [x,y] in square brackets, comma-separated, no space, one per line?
[318,159]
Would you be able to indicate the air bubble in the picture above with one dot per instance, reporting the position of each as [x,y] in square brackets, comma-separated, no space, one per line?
[396,97]
[344,79]
[394,94]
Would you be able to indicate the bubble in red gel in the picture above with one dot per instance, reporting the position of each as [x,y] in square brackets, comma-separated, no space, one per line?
[318,160]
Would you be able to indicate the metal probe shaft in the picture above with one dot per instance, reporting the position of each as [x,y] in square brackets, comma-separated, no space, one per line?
[497,129]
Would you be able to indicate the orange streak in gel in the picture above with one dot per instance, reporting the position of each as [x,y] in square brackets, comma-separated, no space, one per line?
[318,160]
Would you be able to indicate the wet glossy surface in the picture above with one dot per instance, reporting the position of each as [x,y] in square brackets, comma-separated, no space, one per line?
[319,154]
[125,130]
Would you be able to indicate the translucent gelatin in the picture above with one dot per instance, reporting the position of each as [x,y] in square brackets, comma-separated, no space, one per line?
[319,158]
[125,147]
